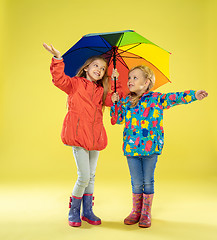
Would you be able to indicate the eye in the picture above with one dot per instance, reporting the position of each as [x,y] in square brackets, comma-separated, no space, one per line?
[95,65]
[103,69]
[135,78]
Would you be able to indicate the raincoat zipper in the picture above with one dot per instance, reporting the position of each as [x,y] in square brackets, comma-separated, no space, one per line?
[93,120]
[92,92]
[140,129]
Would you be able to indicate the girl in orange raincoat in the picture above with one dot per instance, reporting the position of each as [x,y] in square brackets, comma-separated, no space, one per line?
[88,92]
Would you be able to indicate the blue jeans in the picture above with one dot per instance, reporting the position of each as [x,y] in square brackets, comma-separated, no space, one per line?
[142,173]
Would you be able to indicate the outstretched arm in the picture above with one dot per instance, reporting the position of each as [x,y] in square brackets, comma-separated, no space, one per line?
[60,79]
[172,99]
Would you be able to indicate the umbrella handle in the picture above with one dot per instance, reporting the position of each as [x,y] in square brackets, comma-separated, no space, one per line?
[115,117]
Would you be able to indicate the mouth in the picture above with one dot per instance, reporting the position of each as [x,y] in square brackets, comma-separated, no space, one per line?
[97,74]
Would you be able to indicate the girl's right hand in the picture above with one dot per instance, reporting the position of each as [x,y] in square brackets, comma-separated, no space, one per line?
[52,50]
[114,74]
[115,97]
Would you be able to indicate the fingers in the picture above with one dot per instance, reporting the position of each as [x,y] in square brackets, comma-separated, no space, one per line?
[48,48]
[115,97]
[201,94]
[45,45]
[205,94]
[52,50]
[52,47]
[115,73]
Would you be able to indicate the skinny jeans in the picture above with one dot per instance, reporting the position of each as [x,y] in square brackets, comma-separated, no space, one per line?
[86,162]
[142,170]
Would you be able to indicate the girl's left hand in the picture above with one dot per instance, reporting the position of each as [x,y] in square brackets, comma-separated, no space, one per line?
[114,74]
[201,94]
[115,97]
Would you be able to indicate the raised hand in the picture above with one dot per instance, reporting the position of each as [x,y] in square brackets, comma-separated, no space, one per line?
[201,94]
[52,50]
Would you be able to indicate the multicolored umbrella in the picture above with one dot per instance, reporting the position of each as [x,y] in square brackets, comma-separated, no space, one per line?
[123,50]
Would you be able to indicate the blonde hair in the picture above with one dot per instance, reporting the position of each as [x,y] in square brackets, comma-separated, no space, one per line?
[104,82]
[148,74]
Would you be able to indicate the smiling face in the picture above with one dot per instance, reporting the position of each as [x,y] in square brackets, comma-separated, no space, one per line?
[96,70]
[137,82]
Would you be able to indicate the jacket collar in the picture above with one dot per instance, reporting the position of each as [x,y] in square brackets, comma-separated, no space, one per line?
[147,94]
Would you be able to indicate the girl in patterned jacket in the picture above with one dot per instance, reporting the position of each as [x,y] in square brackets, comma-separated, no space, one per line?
[142,112]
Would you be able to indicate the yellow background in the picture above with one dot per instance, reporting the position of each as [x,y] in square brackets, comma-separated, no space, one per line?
[38,172]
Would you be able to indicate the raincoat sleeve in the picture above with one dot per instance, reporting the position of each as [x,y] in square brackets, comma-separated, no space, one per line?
[173,99]
[121,112]
[59,78]
[108,100]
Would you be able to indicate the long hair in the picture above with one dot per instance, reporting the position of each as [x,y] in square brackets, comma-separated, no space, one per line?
[148,74]
[104,82]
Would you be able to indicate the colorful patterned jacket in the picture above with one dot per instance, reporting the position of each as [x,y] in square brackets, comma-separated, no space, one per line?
[143,133]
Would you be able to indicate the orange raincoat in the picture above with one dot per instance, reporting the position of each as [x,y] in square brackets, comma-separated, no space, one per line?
[83,124]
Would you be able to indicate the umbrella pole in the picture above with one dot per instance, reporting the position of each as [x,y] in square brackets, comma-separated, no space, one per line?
[115,117]
[114,63]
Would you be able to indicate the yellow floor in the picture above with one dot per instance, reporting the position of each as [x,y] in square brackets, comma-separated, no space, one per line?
[181,210]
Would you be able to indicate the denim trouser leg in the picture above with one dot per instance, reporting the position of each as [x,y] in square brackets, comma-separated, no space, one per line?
[86,162]
[142,173]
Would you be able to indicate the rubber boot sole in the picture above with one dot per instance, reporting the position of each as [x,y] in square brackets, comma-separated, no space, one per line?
[90,221]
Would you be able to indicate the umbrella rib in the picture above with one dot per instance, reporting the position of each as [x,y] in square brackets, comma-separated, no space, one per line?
[91,48]
[110,61]
[123,63]
[122,35]
[132,57]
[104,42]
[109,58]
[118,58]
[129,48]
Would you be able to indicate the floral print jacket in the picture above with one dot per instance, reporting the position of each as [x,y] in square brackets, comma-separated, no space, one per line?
[143,133]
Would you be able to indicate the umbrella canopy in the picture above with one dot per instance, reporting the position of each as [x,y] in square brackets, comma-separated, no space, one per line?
[123,50]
